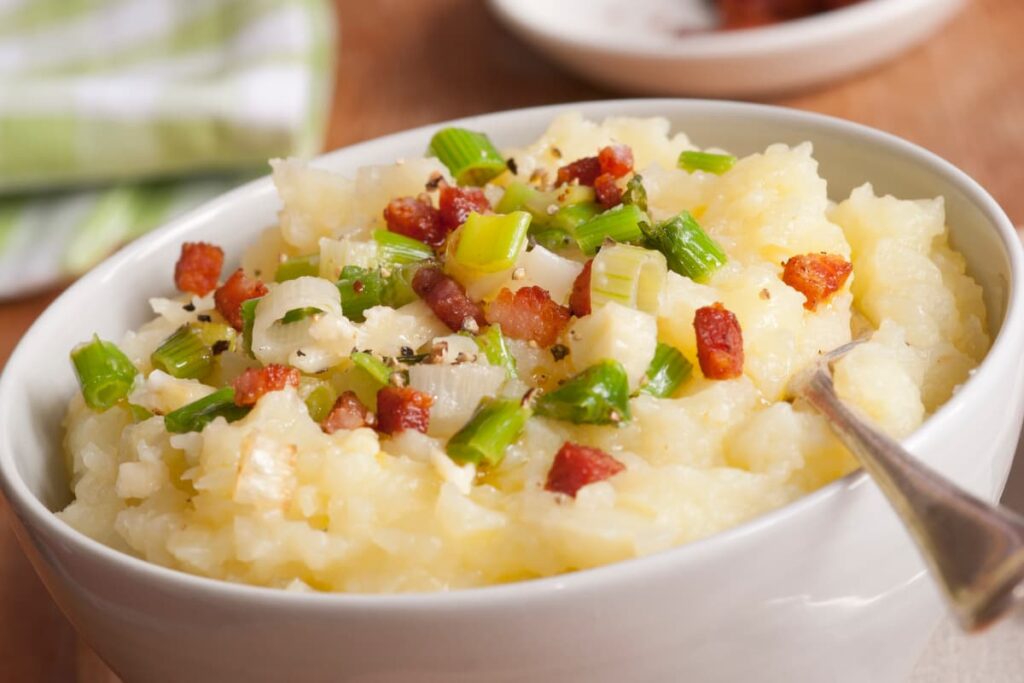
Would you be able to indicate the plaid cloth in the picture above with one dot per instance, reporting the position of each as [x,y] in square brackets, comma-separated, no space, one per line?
[106,105]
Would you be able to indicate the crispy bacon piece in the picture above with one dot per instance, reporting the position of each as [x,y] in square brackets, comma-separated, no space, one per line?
[575,466]
[719,342]
[198,268]
[607,192]
[616,160]
[579,300]
[816,276]
[456,203]
[252,384]
[447,299]
[401,408]
[230,296]
[584,171]
[415,217]
[529,314]
[348,412]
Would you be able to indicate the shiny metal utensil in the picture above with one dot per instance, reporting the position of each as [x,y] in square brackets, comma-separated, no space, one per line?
[974,549]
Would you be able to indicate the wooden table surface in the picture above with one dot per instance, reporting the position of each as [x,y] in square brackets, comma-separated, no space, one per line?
[403,63]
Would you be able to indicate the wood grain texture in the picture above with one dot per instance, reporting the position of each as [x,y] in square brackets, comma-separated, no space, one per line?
[405,63]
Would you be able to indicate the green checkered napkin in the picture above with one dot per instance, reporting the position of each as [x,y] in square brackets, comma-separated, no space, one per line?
[116,115]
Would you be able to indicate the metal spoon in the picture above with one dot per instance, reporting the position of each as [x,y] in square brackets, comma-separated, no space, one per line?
[974,549]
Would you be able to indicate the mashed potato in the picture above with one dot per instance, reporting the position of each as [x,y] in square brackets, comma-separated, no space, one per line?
[271,499]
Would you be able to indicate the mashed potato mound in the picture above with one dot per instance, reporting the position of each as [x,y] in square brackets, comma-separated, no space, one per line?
[273,500]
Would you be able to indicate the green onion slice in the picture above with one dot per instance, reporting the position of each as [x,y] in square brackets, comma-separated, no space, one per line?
[397,290]
[492,343]
[569,218]
[184,354]
[491,243]
[687,248]
[621,224]
[319,397]
[495,425]
[297,314]
[196,415]
[667,371]
[374,367]
[248,312]
[635,193]
[553,240]
[470,156]
[598,395]
[360,289]
[706,161]
[104,373]
[398,249]
[298,266]
[628,275]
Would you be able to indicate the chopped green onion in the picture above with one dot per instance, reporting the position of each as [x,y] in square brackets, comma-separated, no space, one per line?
[297,314]
[298,266]
[553,240]
[628,275]
[621,224]
[398,289]
[398,249]
[219,337]
[687,248]
[248,312]
[569,218]
[374,367]
[471,157]
[492,343]
[183,354]
[522,197]
[598,395]
[516,197]
[667,371]
[319,397]
[139,413]
[104,373]
[360,289]
[706,161]
[491,243]
[196,415]
[495,426]
[635,193]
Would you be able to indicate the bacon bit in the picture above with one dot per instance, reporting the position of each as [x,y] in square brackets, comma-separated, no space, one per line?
[252,384]
[230,296]
[616,160]
[198,267]
[348,413]
[816,276]
[584,171]
[401,408]
[579,300]
[447,299]
[456,203]
[607,192]
[529,314]
[575,466]
[719,342]
[416,218]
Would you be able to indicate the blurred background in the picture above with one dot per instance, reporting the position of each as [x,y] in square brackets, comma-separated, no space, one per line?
[117,115]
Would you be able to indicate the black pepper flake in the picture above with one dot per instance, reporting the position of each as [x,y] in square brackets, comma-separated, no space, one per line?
[220,346]
[407,351]
[300,353]
[203,318]
[556,153]
[559,351]
[189,307]
[434,182]
[512,166]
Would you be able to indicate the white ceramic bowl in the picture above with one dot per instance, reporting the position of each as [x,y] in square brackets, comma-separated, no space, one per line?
[828,588]
[635,46]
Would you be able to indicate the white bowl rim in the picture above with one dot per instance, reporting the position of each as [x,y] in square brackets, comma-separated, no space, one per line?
[24,503]
[824,28]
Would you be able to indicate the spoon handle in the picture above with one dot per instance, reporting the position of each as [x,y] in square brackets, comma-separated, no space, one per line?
[975,549]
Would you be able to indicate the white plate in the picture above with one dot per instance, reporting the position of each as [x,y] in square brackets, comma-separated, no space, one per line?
[648,47]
